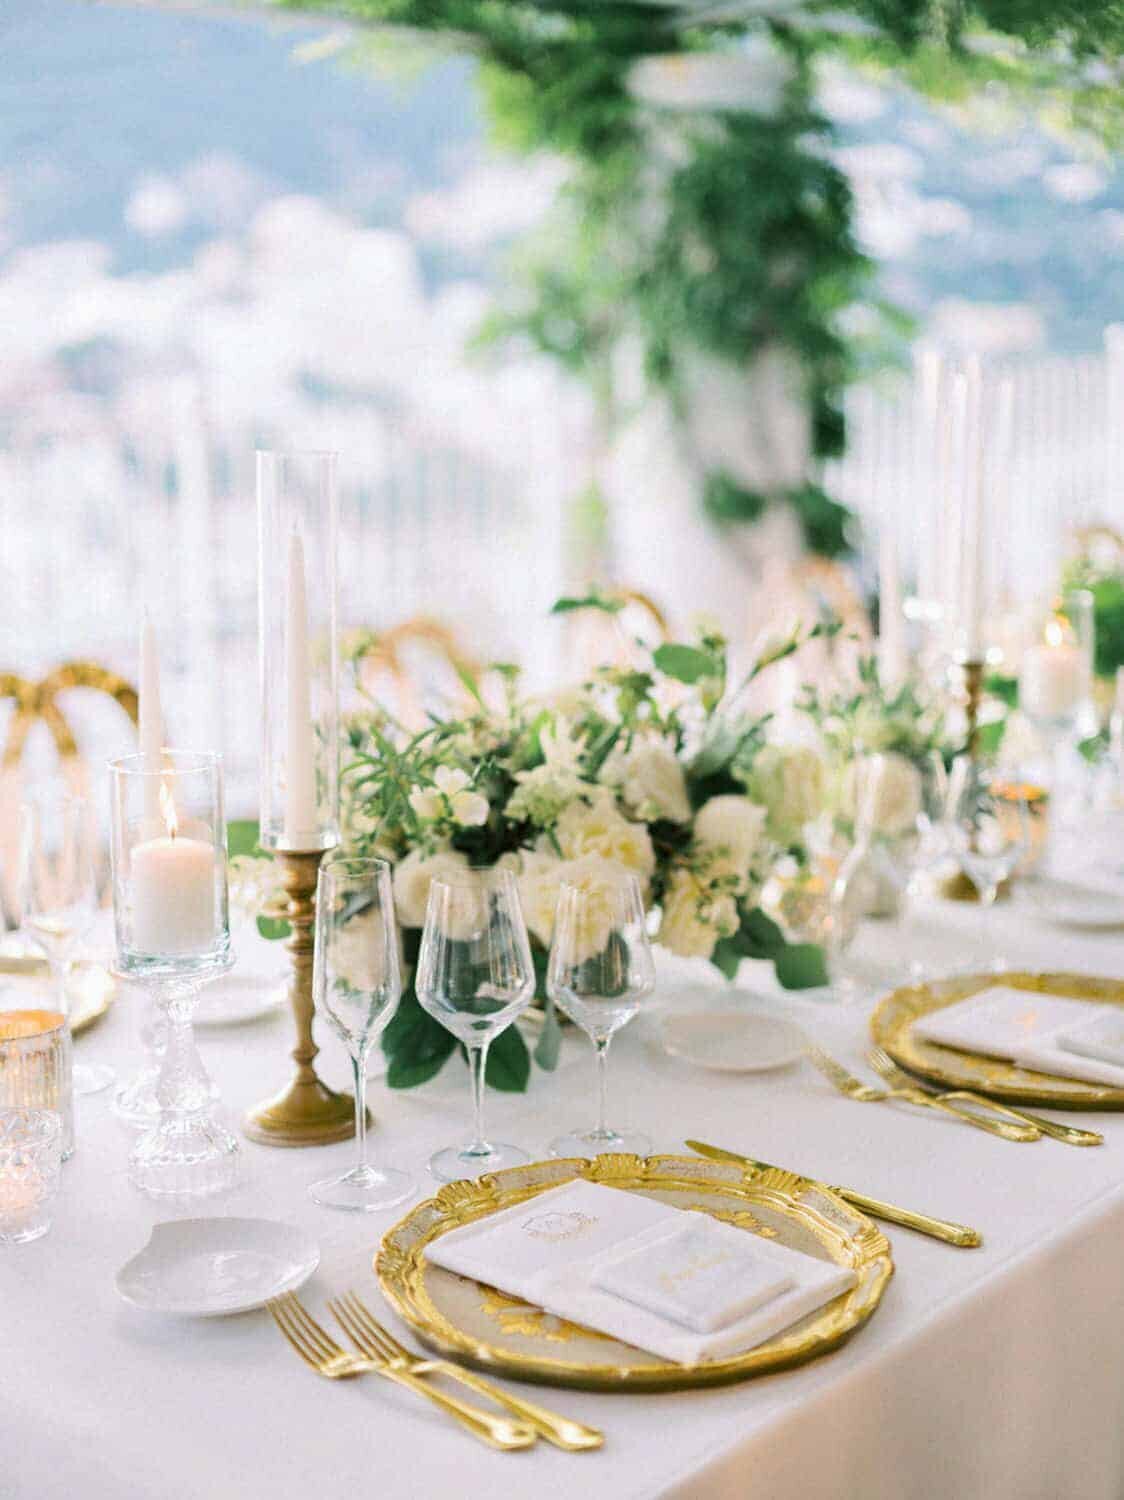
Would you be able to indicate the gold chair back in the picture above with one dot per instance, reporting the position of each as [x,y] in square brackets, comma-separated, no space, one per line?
[412,667]
[38,702]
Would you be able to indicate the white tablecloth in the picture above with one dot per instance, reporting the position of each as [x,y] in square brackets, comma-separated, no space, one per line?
[985,1374]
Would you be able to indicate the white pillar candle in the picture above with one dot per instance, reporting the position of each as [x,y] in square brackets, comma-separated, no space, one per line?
[151,725]
[1053,676]
[173,896]
[173,889]
[891,623]
[302,828]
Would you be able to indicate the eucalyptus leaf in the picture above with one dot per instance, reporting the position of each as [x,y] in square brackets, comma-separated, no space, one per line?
[567,605]
[686,663]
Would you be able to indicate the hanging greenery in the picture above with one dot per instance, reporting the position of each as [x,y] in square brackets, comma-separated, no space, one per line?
[702,217]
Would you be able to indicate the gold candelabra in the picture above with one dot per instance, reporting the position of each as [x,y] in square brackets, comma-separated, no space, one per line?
[307,1112]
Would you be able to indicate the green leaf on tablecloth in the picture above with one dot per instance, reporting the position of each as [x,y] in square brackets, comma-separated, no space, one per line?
[407,1075]
[686,663]
[509,1063]
[549,1043]
[727,956]
[242,836]
[415,1045]
[801,967]
[760,935]
[273,929]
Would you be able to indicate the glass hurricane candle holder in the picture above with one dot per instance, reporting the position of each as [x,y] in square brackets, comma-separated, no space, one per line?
[30,1153]
[298,526]
[173,934]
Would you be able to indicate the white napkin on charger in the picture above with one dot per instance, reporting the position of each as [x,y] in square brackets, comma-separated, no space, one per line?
[1047,1033]
[572,1249]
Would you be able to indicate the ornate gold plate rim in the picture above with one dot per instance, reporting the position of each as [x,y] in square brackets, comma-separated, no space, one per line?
[847,1237]
[891,1026]
[99,988]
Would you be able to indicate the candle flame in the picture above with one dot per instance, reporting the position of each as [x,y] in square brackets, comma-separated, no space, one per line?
[168,808]
[1055,632]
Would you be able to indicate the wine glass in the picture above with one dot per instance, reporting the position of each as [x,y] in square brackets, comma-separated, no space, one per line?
[600,969]
[988,834]
[357,983]
[58,892]
[475,975]
[928,847]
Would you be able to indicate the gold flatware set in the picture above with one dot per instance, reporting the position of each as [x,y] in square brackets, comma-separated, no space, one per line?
[970,1108]
[961,1235]
[377,1352]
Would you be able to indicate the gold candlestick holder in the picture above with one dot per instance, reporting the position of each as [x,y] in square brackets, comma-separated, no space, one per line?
[307,1112]
[958,887]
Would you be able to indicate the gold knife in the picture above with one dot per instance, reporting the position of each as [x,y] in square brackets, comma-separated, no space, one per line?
[938,1229]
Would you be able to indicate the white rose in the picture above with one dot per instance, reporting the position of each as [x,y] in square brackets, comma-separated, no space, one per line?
[729,829]
[413,876]
[653,785]
[791,783]
[601,829]
[693,918]
[427,802]
[538,881]
[357,953]
[597,879]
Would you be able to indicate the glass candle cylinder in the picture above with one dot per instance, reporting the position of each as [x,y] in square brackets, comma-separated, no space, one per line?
[1056,671]
[35,1065]
[30,1152]
[298,525]
[169,869]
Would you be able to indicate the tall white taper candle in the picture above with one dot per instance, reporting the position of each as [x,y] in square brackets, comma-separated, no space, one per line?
[301,826]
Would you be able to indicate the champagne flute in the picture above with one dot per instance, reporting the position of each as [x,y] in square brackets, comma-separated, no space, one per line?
[58,892]
[600,969]
[475,975]
[988,835]
[357,984]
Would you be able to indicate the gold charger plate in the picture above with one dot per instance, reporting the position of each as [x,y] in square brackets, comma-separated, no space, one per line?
[483,1327]
[891,1026]
[91,986]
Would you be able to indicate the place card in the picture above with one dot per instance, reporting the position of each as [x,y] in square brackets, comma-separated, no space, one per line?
[703,1275]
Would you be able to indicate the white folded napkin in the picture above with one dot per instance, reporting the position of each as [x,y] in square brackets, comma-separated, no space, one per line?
[609,1260]
[1032,1030]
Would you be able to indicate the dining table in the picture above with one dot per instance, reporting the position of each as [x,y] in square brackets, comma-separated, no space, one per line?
[993,1373]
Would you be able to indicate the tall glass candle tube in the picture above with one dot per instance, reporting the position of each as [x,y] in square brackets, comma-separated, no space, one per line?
[298,524]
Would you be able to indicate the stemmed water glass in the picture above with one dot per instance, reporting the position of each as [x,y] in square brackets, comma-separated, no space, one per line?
[58,892]
[988,834]
[357,983]
[600,969]
[928,847]
[475,974]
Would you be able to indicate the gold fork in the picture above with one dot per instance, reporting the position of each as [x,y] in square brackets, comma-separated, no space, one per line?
[372,1339]
[318,1348]
[882,1063]
[865,1093]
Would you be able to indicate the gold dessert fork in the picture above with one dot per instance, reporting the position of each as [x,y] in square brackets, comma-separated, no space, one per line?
[866,1093]
[318,1348]
[883,1064]
[372,1339]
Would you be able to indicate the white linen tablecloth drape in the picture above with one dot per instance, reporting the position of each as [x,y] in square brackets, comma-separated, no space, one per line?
[992,1374]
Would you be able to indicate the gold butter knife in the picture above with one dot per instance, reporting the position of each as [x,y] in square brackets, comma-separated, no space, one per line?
[961,1235]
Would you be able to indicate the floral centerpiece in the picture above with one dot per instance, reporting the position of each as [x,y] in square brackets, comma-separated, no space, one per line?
[644,770]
